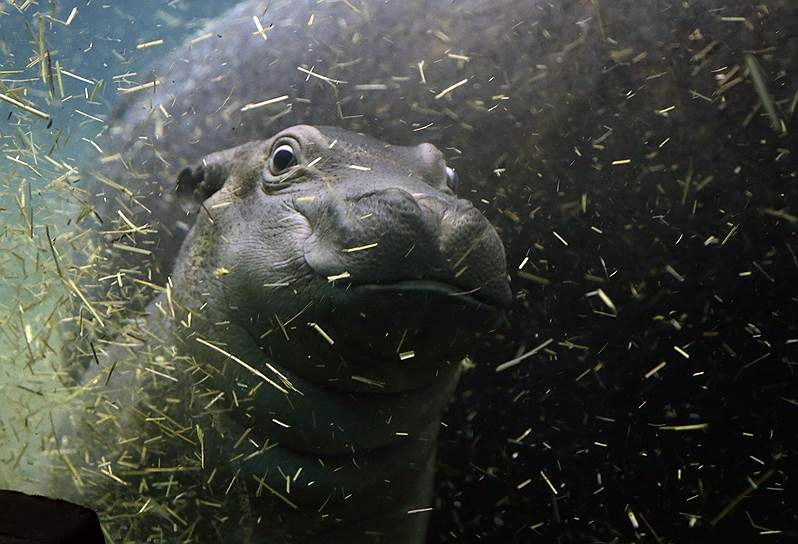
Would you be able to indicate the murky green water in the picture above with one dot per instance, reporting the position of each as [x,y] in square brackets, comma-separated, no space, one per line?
[41,194]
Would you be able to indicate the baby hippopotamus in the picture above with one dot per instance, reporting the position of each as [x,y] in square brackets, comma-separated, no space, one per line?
[289,382]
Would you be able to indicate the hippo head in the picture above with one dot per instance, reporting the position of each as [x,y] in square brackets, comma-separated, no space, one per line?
[347,261]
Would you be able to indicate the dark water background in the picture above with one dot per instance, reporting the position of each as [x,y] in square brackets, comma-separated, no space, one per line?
[581,443]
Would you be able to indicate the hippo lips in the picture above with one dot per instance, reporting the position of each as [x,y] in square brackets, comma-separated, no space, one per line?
[432,316]
[433,287]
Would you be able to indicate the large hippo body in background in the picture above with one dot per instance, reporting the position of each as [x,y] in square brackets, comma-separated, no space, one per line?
[638,161]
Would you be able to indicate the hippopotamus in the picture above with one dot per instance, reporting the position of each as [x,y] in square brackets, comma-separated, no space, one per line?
[302,354]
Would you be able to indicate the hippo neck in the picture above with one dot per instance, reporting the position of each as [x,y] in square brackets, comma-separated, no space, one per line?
[339,449]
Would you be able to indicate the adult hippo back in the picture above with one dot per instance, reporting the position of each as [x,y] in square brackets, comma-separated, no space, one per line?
[288,384]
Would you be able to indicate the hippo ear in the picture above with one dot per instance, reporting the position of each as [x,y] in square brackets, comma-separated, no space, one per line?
[196,183]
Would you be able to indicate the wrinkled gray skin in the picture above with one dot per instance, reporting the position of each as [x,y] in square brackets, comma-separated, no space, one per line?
[425,272]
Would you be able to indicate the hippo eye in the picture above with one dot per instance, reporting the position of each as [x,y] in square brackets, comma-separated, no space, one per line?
[451,179]
[283,157]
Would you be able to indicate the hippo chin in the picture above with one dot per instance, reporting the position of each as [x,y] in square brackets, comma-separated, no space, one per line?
[298,363]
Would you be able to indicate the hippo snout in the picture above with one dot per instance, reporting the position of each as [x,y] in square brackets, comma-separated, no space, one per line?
[392,234]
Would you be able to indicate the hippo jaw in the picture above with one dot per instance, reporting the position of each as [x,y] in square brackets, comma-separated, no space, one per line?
[420,322]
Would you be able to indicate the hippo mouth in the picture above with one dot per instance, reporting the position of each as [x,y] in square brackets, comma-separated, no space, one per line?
[429,317]
[474,298]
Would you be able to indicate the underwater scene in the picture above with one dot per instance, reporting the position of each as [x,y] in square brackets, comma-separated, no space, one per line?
[417,271]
